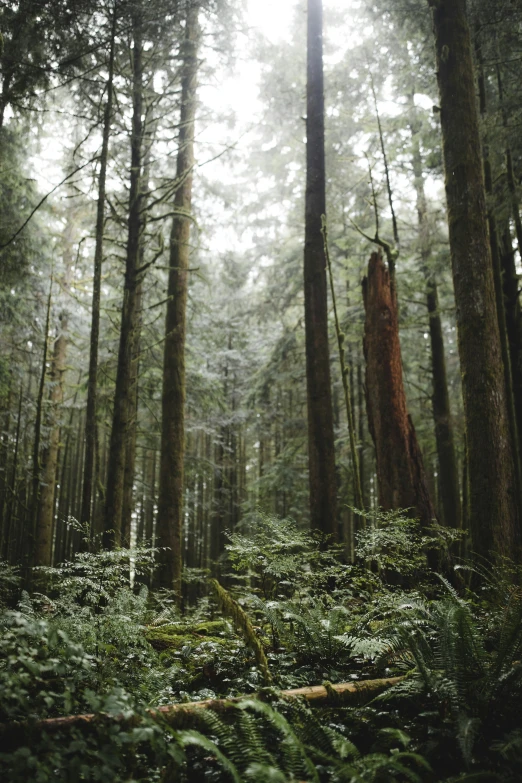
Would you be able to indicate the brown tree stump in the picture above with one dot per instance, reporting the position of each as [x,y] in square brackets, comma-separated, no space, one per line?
[400,470]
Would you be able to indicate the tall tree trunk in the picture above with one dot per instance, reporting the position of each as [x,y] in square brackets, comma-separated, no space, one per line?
[132,428]
[360,408]
[510,278]
[5,443]
[494,244]
[446,453]
[400,470]
[64,497]
[492,476]
[36,479]
[6,530]
[92,384]
[511,180]
[217,516]
[151,492]
[510,283]
[170,501]
[126,375]
[45,515]
[321,452]
[127,506]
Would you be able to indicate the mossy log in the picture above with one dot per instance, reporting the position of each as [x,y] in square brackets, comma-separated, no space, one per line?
[164,637]
[241,620]
[180,716]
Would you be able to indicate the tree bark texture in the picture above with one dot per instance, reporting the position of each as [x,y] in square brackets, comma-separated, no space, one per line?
[510,281]
[492,476]
[171,470]
[49,466]
[321,452]
[45,512]
[92,383]
[11,499]
[400,471]
[494,244]
[132,429]
[5,442]
[176,715]
[124,410]
[36,479]
[444,434]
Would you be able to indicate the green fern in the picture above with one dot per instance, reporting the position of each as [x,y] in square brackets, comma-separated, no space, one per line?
[195,738]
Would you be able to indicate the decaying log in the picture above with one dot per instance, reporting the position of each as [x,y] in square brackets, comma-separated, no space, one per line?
[178,715]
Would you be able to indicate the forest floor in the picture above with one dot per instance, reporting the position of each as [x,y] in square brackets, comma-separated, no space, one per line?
[292,615]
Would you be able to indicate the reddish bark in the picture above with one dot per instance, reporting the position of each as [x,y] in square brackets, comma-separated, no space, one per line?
[400,471]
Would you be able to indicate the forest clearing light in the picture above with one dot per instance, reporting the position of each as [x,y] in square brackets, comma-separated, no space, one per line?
[273,17]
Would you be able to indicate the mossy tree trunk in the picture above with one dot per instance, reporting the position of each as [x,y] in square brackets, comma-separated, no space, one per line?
[492,476]
[34,515]
[45,511]
[400,472]
[321,452]
[50,455]
[126,377]
[92,383]
[171,472]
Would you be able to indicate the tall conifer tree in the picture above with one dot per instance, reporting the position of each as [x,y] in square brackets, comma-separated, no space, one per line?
[321,453]
[492,478]
[171,471]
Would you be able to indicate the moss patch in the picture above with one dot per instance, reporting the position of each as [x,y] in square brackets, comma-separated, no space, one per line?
[177,636]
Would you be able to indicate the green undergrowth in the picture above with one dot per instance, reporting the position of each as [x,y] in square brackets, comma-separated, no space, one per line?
[170,638]
[92,641]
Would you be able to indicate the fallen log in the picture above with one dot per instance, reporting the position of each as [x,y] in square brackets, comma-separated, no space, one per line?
[178,715]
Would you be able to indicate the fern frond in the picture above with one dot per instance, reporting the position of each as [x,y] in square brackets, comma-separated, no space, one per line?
[263,773]
[317,736]
[467,733]
[410,688]
[191,737]
[296,760]
[510,642]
